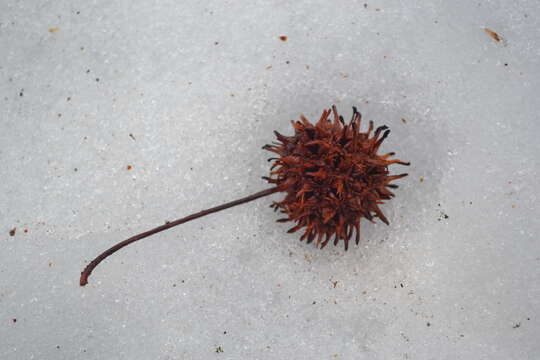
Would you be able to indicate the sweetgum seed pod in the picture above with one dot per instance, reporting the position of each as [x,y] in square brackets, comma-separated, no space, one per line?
[332,177]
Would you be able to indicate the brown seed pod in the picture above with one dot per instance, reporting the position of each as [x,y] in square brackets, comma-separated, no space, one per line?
[332,176]
[330,173]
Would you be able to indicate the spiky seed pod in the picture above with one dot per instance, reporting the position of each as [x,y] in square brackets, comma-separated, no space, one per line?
[331,173]
[332,176]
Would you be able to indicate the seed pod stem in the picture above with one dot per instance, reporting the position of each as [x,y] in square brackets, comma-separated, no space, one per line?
[92,265]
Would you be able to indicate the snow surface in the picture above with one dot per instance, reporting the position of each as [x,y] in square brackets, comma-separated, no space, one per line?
[187,93]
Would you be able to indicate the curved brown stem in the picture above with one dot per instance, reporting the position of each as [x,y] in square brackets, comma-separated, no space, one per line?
[90,267]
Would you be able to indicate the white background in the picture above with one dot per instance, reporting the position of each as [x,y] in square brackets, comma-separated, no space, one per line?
[200,86]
